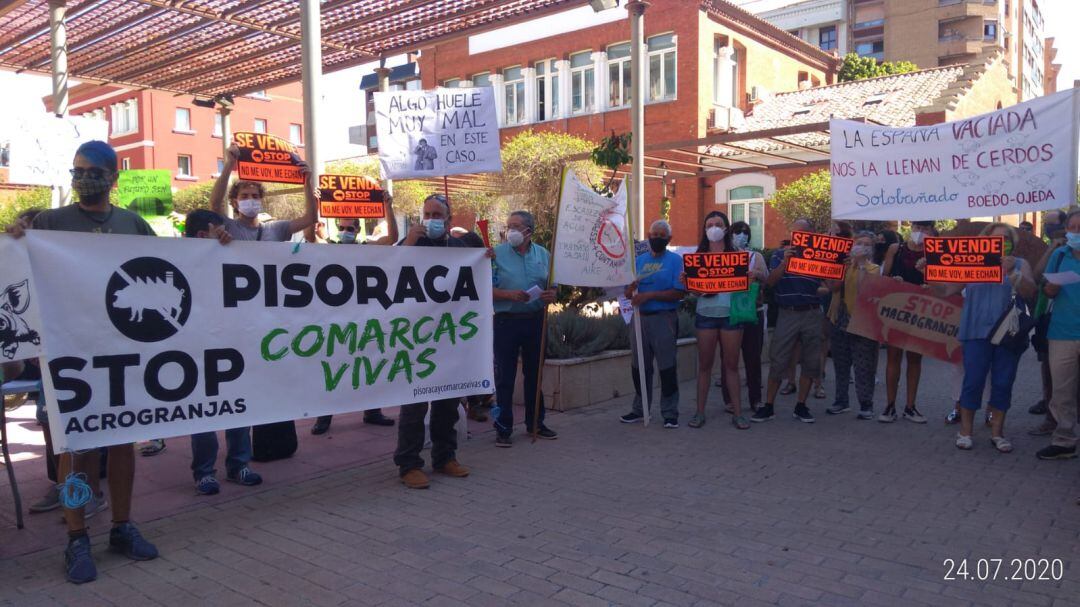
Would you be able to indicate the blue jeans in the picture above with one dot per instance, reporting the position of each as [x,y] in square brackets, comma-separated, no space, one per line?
[204,450]
[516,336]
[982,357]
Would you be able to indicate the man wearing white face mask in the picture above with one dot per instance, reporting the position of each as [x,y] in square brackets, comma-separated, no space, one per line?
[522,292]
[246,199]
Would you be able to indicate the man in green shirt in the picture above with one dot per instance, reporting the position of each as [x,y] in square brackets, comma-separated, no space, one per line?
[522,292]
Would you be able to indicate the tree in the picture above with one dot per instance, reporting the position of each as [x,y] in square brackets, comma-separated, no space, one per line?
[855,67]
[13,202]
[532,170]
[808,197]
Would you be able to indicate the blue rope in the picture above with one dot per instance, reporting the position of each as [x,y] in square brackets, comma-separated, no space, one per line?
[74,492]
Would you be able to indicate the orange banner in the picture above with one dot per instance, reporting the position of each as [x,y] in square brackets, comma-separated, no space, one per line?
[712,273]
[909,317]
[267,158]
[819,255]
[350,197]
[964,259]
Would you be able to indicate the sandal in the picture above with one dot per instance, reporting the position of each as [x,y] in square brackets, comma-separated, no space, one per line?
[1002,444]
[697,421]
[963,442]
[787,388]
[740,422]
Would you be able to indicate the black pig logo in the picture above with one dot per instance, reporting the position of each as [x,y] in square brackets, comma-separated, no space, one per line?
[13,329]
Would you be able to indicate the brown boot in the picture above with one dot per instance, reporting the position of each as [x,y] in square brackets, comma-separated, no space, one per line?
[453,468]
[416,479]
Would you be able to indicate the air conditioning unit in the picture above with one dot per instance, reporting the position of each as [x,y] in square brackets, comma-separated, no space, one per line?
[727,118]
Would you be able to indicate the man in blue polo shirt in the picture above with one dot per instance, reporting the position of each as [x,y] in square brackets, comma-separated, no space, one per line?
[798,323]
[656,295]
[521,292]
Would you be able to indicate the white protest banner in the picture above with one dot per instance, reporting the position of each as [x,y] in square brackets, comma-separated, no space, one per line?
[42,146]
[154,337]
[590,238]
[20,326]
[1016,160]
[437,133]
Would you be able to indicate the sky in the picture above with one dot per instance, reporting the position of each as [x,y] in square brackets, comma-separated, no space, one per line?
[344,108]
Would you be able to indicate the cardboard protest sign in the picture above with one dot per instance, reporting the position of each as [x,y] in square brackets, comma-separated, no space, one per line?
[41,146]
[1019,159]
[437,133]
[267,158]
[167,337]
[717,272]
[350,197]
[964,259]
[819,255]
[591,247]
[20,325]
[147,192]
[909,317]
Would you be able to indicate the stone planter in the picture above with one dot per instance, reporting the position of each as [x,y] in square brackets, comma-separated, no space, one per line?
[578,382]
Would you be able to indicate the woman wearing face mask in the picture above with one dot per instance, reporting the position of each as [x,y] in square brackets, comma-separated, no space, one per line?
[984,304]
[246,200]
[714,326]
[753,335]
[1064,344]
[884,240]
[901,263]
[847,348]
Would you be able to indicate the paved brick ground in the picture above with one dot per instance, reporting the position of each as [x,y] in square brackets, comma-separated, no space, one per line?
[839,513]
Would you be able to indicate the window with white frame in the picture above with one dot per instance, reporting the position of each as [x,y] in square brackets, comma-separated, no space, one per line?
[125,117]
[662,67]
[219,125]
[547,101]
[125,164]
[482,79]
[259,94]
[183,166]
[514,94]
[726,70]
[260,125]
[220,166]
[452,83]
[747,203]
[296,134]
[618,56]
[582,83]
[183,120]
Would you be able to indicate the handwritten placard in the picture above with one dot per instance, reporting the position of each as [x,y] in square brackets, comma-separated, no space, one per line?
[437,133]
[819,255]
[267,158]
[964,259]
[1016,160]
[591,248]
[350,197]
[711,273]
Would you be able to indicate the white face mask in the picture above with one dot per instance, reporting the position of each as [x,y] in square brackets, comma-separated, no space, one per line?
[715,233]
[515,238]
[917,238]
[741,241]
[249,207]
[861,251]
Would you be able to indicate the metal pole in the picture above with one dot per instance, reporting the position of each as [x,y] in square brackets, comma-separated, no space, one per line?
[383,73]
[226,141]
[311,56]
[59,50]
[636,9]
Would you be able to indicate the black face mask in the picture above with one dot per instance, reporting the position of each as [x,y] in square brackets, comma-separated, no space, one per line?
[658,245]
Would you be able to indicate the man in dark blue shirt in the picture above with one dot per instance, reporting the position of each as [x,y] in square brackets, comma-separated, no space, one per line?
[798,324]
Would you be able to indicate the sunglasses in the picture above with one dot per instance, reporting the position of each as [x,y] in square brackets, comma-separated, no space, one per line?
[346,228]
[93,172]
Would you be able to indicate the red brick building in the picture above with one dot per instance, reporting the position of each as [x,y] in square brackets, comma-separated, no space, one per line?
[708,63]
[158,130]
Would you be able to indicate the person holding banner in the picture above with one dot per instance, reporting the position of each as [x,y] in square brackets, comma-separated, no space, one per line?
[347,234]
[246,199]
[1063,337]
[985,305]
[847,348]
[901,262]
[655,296]
[522,291]
[433,231]
[92,178]
[798,324]
[712,320]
